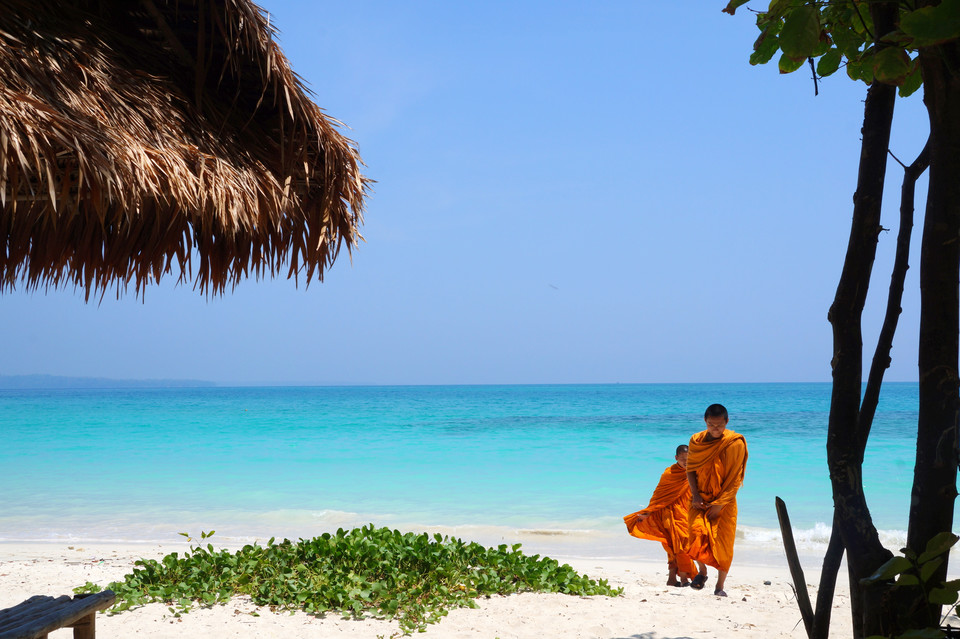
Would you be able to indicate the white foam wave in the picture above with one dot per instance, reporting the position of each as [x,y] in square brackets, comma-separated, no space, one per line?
[598,537]
[813,538]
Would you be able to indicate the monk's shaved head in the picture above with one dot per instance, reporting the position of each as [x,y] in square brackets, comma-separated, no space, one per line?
[682,448]
[715,410]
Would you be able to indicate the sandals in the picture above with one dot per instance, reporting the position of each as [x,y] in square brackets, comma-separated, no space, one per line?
[699,580]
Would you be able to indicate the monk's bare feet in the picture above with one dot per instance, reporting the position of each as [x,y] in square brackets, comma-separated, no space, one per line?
[672,574]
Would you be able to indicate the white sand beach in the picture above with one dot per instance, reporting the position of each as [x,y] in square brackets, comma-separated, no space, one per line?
[760,603]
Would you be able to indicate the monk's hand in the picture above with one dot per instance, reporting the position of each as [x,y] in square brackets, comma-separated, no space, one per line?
[697,502]
[713,514]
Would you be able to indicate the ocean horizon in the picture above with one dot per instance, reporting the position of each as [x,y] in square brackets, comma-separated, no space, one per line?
[545,464]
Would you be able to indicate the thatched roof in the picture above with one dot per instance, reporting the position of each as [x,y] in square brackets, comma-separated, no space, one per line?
[136,135]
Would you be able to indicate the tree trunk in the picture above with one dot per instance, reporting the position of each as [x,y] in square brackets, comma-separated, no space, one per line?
[935,474]
[828,583]
[865,553]
[901,263]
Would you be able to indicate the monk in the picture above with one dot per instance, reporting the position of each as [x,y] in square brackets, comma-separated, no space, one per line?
[716,463]
[665,519]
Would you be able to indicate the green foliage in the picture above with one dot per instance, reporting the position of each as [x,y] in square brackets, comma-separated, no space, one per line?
[841,33]
[415,579]
[932,25]
[800,34]
[916,572]
[891,66]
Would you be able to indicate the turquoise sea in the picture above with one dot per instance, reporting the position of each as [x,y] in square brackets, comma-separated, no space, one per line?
[528,463]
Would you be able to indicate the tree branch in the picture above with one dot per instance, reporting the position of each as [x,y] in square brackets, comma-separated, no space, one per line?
[881,357]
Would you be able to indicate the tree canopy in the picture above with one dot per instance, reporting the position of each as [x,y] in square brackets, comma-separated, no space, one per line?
[842,33]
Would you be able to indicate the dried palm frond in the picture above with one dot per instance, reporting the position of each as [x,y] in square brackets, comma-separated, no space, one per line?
[136,135]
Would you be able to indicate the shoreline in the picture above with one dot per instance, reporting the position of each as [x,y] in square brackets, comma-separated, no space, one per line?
[763,546]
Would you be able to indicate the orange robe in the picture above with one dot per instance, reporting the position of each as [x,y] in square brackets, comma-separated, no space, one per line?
[667,521]
[719,466]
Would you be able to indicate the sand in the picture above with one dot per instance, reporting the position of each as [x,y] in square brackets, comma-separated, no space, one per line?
[760,603]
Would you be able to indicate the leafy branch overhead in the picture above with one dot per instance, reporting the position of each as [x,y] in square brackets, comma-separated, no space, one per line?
[842,34]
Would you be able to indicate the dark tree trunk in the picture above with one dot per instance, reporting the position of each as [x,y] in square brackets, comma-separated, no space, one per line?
[828,584]
[935,474]
[901,263]
[871,394]
[865,553]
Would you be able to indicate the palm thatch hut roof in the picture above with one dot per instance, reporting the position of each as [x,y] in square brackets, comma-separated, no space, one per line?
[141,135]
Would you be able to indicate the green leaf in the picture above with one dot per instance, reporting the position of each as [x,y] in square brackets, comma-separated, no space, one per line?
[732,6]
[862,23]
[913,80]
[891,65]
[801,32]
[938,544]
[893,567]
[907,579]
[861,69]
[943,596]
[847,41]
[853,69]
[764,48]
[777,9]
[933,25]
[822,47]
[789,65]
[927,569]
[829,63]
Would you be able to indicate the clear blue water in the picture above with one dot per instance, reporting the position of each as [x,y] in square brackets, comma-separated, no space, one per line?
[146,464]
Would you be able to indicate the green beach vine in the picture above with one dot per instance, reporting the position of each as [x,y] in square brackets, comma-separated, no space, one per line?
[413,578]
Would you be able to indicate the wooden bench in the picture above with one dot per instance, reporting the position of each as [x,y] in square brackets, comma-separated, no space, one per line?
[38,616]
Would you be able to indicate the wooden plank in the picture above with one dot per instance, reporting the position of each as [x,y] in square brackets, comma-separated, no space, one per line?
[60,613]
[32,608]
[86,628]
[796,571]
[9,613]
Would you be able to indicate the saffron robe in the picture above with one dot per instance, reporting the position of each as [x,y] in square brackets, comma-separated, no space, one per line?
[719,466]
[667,520]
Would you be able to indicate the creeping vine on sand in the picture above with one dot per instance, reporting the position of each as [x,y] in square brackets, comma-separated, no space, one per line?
[413,578]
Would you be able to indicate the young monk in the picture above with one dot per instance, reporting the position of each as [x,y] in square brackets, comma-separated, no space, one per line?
[665,519]
[715,466]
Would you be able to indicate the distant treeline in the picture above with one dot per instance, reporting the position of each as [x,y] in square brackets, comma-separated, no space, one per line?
[58,381]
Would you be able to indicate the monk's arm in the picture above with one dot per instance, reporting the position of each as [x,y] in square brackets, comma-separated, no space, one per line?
[695,499]
[734,459]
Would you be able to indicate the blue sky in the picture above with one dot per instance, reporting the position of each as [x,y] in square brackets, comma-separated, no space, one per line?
[567,192]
